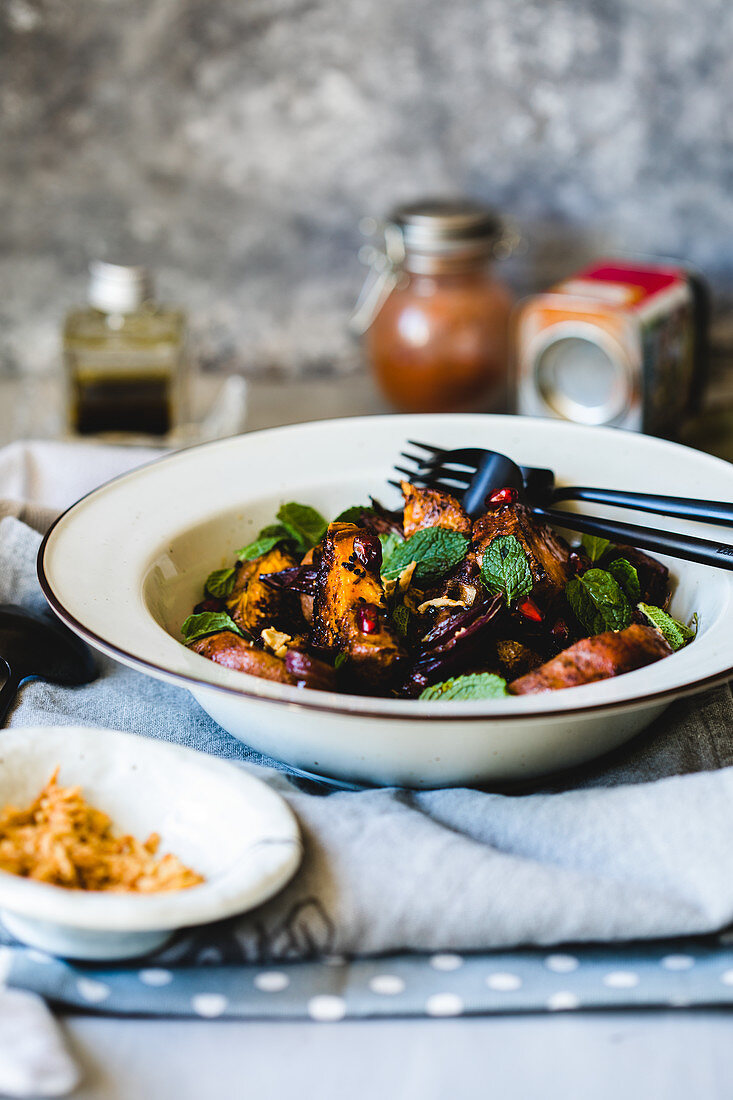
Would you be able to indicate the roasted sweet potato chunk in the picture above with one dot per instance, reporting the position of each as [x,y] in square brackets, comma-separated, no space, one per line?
[596,658]
[349,611]
[228,649]
[547,554]
[431,508]
[253,604]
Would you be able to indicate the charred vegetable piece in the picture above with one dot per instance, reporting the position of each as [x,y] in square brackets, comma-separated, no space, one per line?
[349,612]
[432,508]
[297,578]
[547,554]
[309,672]
[373,517]
[254,604]
[456,640]
[234,652]
[596,658]
[516,659]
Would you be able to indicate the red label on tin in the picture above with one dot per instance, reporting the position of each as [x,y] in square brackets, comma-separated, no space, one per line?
[648,281]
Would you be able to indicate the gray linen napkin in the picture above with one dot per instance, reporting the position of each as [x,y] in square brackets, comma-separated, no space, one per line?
[390,870]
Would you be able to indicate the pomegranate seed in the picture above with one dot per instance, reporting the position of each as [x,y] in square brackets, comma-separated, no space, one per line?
[560,630]
[367,618]
[578,562]
[503,496]
[210,604]
[368,551]
[530,610]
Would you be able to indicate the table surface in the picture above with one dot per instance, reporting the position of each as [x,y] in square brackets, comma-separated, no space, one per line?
[671,1054]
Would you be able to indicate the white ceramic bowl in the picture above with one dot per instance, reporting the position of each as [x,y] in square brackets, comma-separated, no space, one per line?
[125,565]
[219,819]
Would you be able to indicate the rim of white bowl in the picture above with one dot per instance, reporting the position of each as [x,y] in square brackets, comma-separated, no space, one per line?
[339,703]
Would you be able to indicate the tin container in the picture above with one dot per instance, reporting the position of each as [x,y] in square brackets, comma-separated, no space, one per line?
[621,343]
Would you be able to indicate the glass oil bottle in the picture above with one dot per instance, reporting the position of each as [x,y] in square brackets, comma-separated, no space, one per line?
[124,357]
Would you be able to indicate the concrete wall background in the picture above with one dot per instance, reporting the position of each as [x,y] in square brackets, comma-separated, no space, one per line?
[234,145]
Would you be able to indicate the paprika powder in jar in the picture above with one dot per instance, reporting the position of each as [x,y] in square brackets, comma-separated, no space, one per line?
[435,320]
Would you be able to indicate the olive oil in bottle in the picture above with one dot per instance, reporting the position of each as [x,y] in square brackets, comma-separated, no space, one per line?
[124,357]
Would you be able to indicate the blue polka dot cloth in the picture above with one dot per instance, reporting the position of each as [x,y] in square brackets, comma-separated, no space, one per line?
[670,974]
[437,903]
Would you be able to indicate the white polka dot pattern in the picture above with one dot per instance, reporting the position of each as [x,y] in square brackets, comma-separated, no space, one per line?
[271,981]
[389,985]
[678,962]
[326,1008]
[155,976]
[561,964]
[562,1001]
[209,1005]
[504,983]
[444,1004]
[621,979]
[92,990]
[446,962]
[445,984]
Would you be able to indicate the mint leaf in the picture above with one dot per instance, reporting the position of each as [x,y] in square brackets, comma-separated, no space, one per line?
[208,622]
[305,524]
[390,540]
[594,546]
[266,541]
[341,658]
[505,569]
[625,574]
[676,633]
[220,582]
[355,514]
[401,618]
[598,601]
[435,549]
[477,685]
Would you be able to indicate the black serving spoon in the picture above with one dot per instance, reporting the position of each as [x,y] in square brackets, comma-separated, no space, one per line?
[33,647]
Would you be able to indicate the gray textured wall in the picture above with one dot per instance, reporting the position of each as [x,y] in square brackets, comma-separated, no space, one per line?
[234,144]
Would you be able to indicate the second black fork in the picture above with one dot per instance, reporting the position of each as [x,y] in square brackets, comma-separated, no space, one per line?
[473,474]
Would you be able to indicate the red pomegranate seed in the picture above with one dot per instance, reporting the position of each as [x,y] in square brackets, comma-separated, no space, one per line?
[560,629]
[367,618]
[504,496]
[578,562]
[211,604]
[530,610]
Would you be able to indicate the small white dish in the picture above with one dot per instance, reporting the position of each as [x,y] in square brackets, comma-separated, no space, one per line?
[216,817]
[126,564]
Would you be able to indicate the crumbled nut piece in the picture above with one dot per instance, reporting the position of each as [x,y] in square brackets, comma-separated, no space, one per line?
[441,601]
[468,594]
[276,641]
[400,584]
[63,840]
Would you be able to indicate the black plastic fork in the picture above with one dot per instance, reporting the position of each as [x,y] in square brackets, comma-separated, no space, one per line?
[473,474]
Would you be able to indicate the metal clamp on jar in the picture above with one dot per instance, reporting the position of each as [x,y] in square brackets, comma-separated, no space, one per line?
[434,319]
